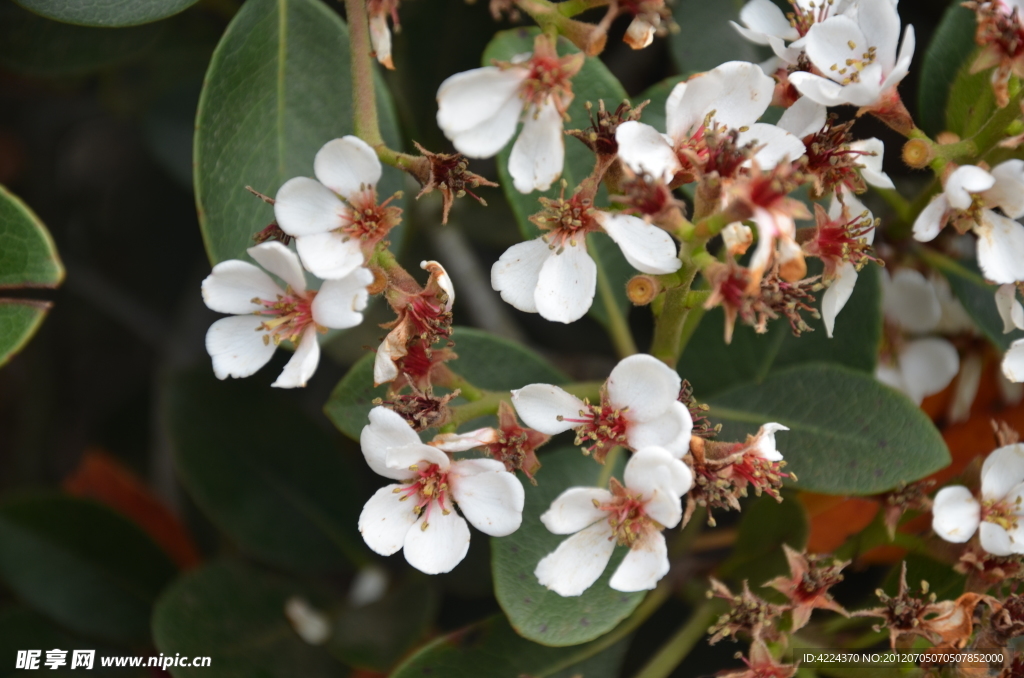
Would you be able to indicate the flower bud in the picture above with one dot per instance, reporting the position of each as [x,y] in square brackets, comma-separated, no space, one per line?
[642,289]
[917,153]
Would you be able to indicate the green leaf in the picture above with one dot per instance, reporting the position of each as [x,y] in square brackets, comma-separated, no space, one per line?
[487,361]
[374,636]
[971,102]
[264,472]
[32,45]
[946,55]
[848,433]
[493,644]
[713,366]
[278,88]
[28,257]
[106,13]
[234,614]
[706,39]
[654,114]
[536,613]
[594,82]
[765,526]
[977,297]
[82,565]
[19,320]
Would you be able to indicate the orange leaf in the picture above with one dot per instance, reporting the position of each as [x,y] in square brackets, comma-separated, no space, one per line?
[101,477]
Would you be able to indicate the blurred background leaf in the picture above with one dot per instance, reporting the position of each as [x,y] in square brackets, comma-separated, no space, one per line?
[106,13]
[82,565]
[946,60]
[705,38]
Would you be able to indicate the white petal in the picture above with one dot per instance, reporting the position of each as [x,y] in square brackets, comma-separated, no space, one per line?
[578,561]
[439,547]
[236,346]
[441,277]
[380,39]
[1002,471]
[646,247]
[911,301]
[644,385]
[890,375]
[966,389]
[956,514]
[492,134]
[639,33]
[644,565]
[965,181]
[1008,191]
[516,272]
[339,303]
[681,114]
[837,294]
[1013,362]
[303,362]
[819,89]
[463,442]
[468,99]
[646,151]
[871,165]
[928,365]
[386,429]
[347,166]
[566,285]
[412,458]
[766,448]
[775,144]
[654,468]
[832,43]
[806,116]
[764,16]
[756,37]
[233,284]
[1000,248]
[671,431]
[329,255]
[737,91]
[880,24]
[902,66]
[539,152]
[575,509]
[304,206]
[995,539]
[547,408]
[386,519]
[1010,310]
[280,261]
[491,501]
[931,219]
[384,368]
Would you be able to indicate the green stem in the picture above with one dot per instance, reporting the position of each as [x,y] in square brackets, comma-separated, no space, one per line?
[654,600]
[679,645]
[487,403]
[468,390]
[609,466]
[364,99]
[618,327]
[900,205]
[571,8]
[668,326]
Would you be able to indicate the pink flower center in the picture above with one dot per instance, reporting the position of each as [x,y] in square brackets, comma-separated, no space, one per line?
[550,76]
[429,487]
[841,241]
[1000,512]
[567,222]
[802,19]
[289,316]
[366,219]
[602,424]
[627,518]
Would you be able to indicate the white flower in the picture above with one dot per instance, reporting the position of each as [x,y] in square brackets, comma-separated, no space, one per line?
[418,514]
[845,274]
[765,24]
[639,408]
[479,110]
[265,314]
[921,366]
[735,94]
[957,514]
[335,215]
[554,275]
[1012,313]
[972,193]
[856,55]
[632,516]
[312,625]
[380,34]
